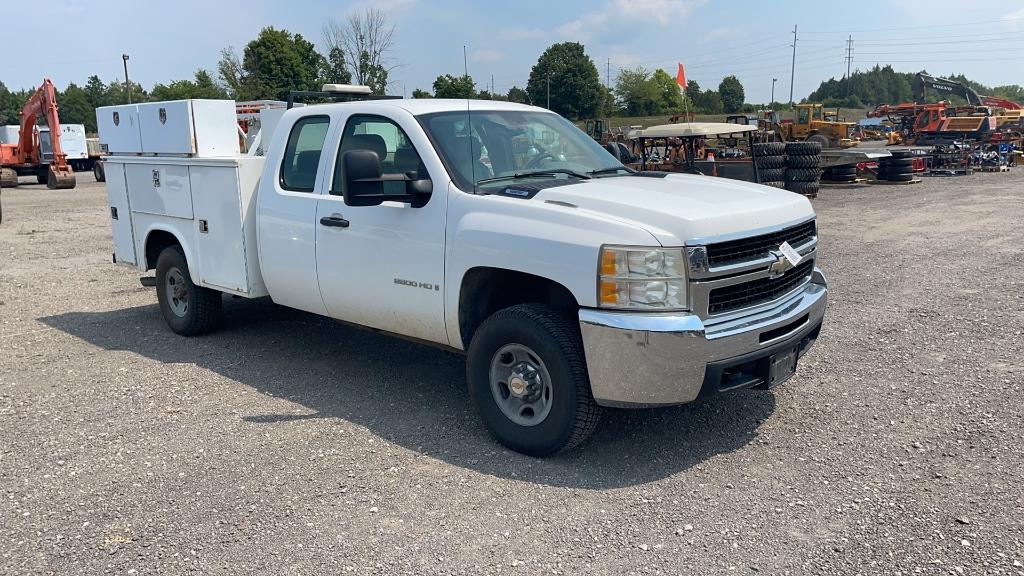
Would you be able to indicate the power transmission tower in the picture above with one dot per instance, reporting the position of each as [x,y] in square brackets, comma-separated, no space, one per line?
[792,70]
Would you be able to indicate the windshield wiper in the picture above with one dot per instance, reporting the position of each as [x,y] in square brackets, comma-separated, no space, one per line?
[609,170]
[533,173]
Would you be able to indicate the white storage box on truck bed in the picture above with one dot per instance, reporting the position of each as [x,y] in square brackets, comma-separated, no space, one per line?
[217,196]
[205,128]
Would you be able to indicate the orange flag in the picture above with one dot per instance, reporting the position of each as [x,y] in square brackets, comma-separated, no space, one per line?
[681,77]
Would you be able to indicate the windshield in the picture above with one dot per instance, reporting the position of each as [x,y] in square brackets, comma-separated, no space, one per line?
[486,149]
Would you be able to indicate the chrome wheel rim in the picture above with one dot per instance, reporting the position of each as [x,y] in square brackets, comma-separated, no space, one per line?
[177,292]
[521,385]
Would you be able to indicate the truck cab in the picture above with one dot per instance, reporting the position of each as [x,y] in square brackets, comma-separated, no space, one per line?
[571,282]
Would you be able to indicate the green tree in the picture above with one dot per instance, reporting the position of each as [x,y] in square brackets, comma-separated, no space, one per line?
[418,94]
[272,65]
[575,86]
[670,98]
[449,86]
[517,94]
[10,106]
[335,71]
[636,93]
[74,108]
[731,93]
[229,69]
[96,92]
[202,87]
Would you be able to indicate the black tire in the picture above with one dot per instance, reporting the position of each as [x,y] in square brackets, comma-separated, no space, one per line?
[769,149]
[556,341]
[803,161]
[843,170]
[775,184]
[98,171]
[802,174]
[770,162]
[771,174]
[899,165]
[41,176]
[8,178]
[202,307]
[803,149]
[905,177]
[805,188]
[901,153]
[821,140]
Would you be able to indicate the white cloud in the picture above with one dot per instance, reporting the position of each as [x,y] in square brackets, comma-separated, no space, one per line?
[627,12]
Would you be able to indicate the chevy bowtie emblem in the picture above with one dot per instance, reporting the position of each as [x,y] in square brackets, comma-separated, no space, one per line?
[780,266]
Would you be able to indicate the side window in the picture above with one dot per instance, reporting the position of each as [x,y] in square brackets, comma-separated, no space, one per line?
[302,154]
[802,116]
[381,135]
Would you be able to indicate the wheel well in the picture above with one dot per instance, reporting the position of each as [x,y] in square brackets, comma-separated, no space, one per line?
[155,244]
[485,290]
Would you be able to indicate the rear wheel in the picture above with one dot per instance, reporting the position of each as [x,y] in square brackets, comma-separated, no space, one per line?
[821,139]
[98,172]
[8,178]
[188,309]
[528,378]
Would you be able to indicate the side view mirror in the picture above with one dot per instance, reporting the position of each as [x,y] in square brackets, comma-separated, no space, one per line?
[364,182]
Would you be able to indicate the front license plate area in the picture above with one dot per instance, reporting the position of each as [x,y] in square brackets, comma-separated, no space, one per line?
[781,367]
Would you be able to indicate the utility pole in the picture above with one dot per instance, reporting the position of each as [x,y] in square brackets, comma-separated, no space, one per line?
[549,91]
[465,62]
[849,61]
[127,85]
[792,70]
[774,80]
[492,85]
[608,75]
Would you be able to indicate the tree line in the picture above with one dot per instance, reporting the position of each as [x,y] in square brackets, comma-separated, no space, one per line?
[883,85]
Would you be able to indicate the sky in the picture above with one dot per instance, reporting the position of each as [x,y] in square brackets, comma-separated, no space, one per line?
[168,40]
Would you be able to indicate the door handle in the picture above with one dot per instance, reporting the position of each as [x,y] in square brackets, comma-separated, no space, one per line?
[334,221]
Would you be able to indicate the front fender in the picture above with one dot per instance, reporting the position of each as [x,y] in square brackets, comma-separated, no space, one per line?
[554,241]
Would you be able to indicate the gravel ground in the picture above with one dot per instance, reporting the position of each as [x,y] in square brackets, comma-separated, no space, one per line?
[289,444]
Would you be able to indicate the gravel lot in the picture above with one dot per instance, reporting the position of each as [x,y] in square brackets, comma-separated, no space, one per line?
[289,444]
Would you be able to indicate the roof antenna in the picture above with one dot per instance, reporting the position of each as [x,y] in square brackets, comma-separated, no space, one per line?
[469,120]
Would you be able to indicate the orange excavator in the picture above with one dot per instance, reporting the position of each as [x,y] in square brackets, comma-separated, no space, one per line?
[26,157]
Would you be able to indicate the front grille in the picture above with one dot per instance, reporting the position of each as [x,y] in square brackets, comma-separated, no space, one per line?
[756,247]
[737,296]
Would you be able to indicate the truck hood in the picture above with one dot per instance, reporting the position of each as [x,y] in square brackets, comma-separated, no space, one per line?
[681,207]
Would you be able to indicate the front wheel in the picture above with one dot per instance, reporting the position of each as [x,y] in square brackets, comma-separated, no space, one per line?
[188,309]
[528,377]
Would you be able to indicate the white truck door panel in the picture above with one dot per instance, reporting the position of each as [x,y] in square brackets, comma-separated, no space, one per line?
[287,233]
[160,189]
[120,214]
[386,269]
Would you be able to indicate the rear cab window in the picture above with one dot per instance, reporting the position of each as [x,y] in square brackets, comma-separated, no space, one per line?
[302,153]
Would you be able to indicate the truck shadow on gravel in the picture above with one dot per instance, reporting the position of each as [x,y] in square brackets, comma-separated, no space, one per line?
[415,396]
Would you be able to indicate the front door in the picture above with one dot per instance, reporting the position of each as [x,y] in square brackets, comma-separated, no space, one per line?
[383,266]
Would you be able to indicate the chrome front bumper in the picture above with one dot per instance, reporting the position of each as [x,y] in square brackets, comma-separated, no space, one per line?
[642,359]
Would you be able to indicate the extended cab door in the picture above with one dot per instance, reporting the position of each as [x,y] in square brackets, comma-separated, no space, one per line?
[287,200]
[383,266]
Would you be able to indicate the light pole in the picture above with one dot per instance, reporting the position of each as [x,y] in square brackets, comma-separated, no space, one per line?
[774,80]
[127,85]
[549,91]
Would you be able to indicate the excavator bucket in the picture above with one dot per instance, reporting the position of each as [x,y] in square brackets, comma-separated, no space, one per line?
[60,178]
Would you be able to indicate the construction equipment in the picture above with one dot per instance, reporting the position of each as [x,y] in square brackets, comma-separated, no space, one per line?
[811,125]
[947,87]
[26,157]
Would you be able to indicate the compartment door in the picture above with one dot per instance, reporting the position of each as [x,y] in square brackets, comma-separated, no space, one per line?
[120,214]
[220,242]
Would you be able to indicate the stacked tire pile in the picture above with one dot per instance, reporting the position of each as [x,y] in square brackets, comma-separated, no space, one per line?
[898,168]
[803,168]
[770,158]
[840,173]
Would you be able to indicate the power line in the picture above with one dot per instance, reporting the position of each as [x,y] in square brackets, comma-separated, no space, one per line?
[1001,20]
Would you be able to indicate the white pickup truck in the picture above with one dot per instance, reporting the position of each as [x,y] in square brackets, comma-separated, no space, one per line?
[500,230]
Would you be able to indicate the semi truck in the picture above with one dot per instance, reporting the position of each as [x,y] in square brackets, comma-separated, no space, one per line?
[496,230]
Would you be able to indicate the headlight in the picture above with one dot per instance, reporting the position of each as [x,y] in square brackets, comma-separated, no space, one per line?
[651,278]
